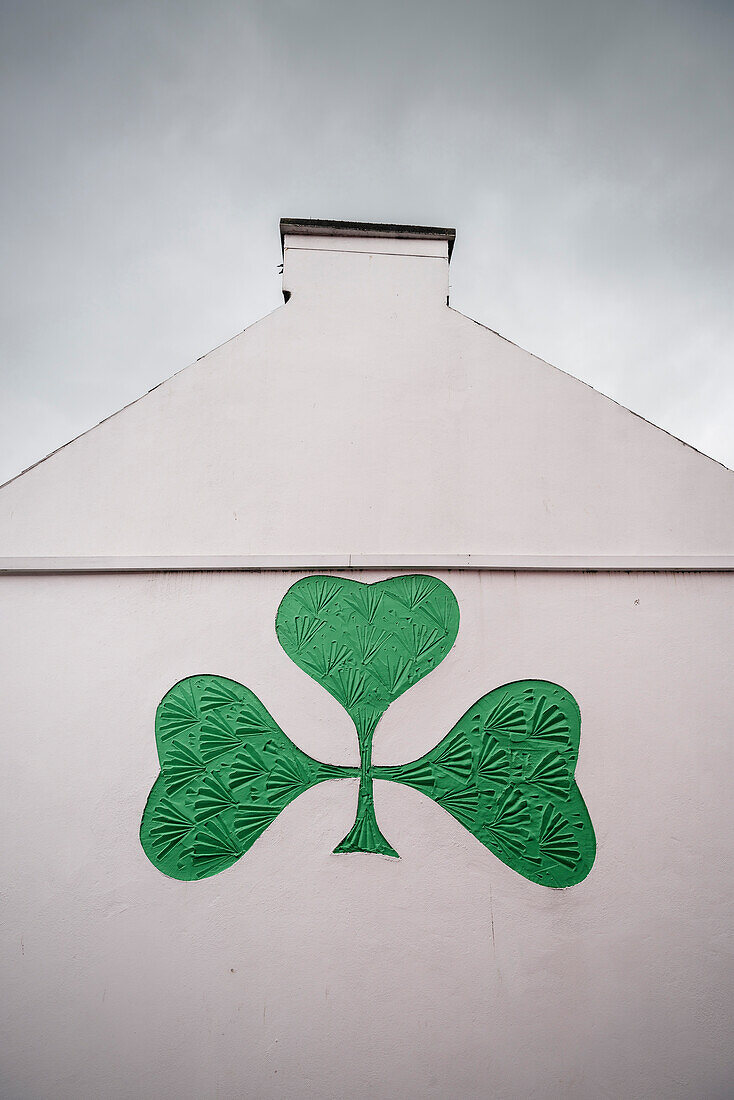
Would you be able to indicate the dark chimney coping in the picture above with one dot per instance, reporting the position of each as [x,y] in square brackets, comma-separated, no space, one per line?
[311,227]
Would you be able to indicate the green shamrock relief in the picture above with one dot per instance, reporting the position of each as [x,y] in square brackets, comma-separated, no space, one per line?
[505,771]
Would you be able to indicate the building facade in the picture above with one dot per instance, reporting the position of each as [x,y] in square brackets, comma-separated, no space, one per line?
[521,530]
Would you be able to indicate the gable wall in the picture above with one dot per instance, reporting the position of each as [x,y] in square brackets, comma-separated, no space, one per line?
[370,425]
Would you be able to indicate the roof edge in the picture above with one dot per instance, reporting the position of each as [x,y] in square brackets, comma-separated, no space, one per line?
[297,562]
[311,227]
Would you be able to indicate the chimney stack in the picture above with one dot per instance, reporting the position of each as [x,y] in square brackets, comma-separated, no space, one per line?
[376,265]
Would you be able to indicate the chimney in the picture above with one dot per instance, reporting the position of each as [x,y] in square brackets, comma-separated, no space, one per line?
[372,266]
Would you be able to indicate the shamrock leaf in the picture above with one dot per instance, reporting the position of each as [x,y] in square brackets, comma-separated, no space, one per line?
[506,772]
[227,771]
[367,644]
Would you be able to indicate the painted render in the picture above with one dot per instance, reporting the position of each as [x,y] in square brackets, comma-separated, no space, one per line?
[366,417]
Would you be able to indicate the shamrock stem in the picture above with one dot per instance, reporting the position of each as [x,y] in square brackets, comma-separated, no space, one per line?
[365,835]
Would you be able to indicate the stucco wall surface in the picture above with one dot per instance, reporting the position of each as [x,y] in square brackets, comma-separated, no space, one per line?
[301,974]
[367,417]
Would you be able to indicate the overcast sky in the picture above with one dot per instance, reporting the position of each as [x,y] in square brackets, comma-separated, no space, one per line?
[583,150]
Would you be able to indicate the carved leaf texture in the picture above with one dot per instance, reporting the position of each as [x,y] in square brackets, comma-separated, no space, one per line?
[505,772]
[375,641]
[227,771]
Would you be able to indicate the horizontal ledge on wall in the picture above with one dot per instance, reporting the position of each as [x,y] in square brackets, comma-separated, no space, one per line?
[551,563]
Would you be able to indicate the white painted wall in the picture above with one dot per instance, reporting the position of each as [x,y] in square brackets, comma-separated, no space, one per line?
[300,974]
[367,417]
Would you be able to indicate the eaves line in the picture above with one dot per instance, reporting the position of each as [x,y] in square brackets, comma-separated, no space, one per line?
[547,563]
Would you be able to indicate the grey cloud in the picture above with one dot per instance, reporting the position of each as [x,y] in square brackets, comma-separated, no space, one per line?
[583,150]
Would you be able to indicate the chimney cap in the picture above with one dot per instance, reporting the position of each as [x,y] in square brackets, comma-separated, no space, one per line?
[311,227]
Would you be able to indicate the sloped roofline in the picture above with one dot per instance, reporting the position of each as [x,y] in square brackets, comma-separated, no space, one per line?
[135,400]
[285,222]
[599,393]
